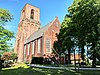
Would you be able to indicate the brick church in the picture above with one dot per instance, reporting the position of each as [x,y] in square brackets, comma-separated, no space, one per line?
[32,39]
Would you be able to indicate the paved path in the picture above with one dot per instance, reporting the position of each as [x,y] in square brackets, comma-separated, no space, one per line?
[67,68]
[40,66]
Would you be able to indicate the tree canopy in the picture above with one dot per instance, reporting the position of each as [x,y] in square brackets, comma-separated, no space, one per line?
[81,28]
[86,17]
[5,16]
[5,35]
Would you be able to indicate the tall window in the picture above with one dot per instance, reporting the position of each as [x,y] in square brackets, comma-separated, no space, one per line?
[28,52]
[32,14]
[48,45]
[24,49]
[39,45]
[33,48]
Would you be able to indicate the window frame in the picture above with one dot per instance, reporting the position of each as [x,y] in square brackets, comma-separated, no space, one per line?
[48,50]
[33,47]
[28,52]
[39,46]
[32,14]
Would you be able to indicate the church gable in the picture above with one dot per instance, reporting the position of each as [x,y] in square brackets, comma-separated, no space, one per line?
[50,36]
[54,25]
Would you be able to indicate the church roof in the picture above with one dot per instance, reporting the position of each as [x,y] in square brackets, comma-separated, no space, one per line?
[38,33]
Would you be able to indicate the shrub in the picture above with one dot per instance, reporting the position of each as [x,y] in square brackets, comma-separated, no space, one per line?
[6,56]
[97,62]
[14,56]
[83,63]
[9,56]
[37,60]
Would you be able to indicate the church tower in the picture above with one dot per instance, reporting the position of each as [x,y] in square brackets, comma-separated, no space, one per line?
[29,23]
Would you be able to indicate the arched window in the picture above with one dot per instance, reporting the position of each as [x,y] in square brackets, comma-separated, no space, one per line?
[48,45]
[32,14]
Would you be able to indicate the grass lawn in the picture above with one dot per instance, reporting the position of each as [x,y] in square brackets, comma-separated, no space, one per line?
[22,69]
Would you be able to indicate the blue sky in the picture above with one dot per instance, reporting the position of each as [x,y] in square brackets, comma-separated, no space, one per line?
[48,10]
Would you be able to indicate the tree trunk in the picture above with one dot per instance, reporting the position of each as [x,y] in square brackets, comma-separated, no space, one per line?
[66,59]
[69,61]
[94,56]
[94,60]
[74,60]
[82,53]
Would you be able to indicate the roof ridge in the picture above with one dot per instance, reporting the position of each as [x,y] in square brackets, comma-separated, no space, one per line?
[38,32]
[41,28]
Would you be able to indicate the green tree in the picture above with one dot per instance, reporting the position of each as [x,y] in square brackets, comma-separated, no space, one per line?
[81,28]
[64,42]
[5,35]
[65,32]
[5,16]
[86,17]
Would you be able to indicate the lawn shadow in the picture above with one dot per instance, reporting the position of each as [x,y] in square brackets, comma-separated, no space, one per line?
[36,71]
[21,71]
[89,72]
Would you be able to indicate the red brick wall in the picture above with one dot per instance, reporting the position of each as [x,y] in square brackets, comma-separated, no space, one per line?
[51,34]
[40,54]
[36,54]
[26,27]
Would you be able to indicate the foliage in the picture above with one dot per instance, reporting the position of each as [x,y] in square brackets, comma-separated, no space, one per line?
[6,56]
[86,17]
[9,56]
[65,40]
[5,16]
[14,56]
[57,47]
[81,28]
[37,60]
[5,35]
